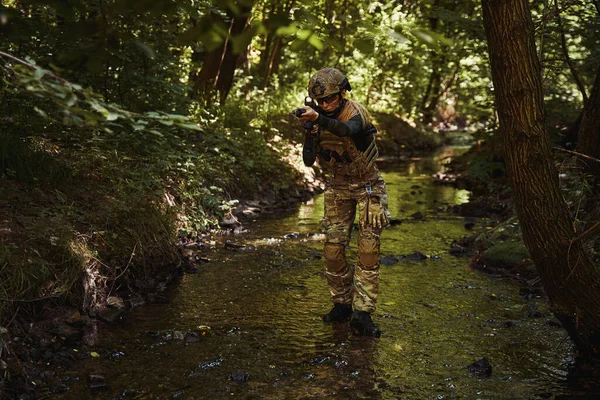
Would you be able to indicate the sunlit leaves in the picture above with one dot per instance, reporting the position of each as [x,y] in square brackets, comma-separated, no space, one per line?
[431,39]
[398,37]
[83,107]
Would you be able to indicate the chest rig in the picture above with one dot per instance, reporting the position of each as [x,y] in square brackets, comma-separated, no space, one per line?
[341,156]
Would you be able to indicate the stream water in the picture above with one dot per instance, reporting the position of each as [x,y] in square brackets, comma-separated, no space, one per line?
[248,324]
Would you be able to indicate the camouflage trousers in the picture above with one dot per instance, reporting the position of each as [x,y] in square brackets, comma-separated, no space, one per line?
[357,285]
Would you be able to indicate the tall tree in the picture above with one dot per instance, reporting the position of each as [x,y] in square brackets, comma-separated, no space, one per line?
[570,278]
[588,139]
[220,62]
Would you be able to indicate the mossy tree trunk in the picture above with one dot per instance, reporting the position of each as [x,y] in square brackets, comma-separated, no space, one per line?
[570,278]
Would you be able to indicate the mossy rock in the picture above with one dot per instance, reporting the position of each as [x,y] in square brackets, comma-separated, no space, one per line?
[506,255]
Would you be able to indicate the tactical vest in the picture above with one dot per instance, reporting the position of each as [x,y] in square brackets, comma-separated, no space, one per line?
[341,158]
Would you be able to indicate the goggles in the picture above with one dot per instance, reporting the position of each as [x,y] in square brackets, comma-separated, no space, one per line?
[328,99]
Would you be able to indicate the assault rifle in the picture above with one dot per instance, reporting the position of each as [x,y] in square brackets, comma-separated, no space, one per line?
[309,151]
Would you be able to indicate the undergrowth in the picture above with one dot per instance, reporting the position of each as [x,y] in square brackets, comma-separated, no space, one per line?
[80,204]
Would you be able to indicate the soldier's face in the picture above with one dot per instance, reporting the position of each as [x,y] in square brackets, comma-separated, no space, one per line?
[330,103]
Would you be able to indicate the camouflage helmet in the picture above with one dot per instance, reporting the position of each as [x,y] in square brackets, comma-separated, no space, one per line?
[326,82]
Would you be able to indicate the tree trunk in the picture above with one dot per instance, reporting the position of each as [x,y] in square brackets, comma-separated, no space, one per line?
[219,64]
[588,138]
[570,278]
[229,62]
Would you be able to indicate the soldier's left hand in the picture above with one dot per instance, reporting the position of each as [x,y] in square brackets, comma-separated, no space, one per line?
[377,217]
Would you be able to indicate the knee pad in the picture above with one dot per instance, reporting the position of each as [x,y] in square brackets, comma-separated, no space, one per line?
[368,252]
[335,257]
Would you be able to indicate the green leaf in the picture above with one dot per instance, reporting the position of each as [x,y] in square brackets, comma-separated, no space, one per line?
[39,73]
[304,34]
[41,112]
[192,127]
[146,49]
[315,42]
[112,116]
[397,36]
[177,116]
[155,132]
[424,36]
[166,122]
[287,30]
[365,45]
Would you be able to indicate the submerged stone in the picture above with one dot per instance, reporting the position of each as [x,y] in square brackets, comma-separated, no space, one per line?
[239,376]
[481,367]
[416,256]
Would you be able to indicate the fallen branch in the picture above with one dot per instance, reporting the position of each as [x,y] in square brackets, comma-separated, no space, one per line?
[576,154]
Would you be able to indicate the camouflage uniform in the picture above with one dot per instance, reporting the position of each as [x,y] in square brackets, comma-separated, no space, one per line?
[347,151]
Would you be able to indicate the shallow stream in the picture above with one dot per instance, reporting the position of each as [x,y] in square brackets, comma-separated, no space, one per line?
[248,324]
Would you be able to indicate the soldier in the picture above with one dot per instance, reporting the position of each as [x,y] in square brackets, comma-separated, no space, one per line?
[343,139]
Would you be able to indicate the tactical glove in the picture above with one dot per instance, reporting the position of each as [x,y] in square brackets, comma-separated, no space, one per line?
[377,215]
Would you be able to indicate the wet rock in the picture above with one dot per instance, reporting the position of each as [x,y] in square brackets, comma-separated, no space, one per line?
[178,335]
[389,260]
[469,225]
[252,212]
[191,337]
[115,302]
[239,376]
[136,302]
[58,387]
[155,298]
[553,323]
[234,246]
[395,221]
[161,287]
[417,216]
[191,270]
[98,387]
[75,319]
[533,312]
[128,394]
[116,355]
[481,367]
[47,375]
[68,333]
[149,283]
[292,235]
[417,256]
[96,378]
[110,315]
[97,383]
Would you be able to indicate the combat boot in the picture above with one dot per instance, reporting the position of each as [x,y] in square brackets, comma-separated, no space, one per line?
[362,324]
[339,313]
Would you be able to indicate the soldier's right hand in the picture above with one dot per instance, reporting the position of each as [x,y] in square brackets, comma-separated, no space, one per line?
[309,115]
